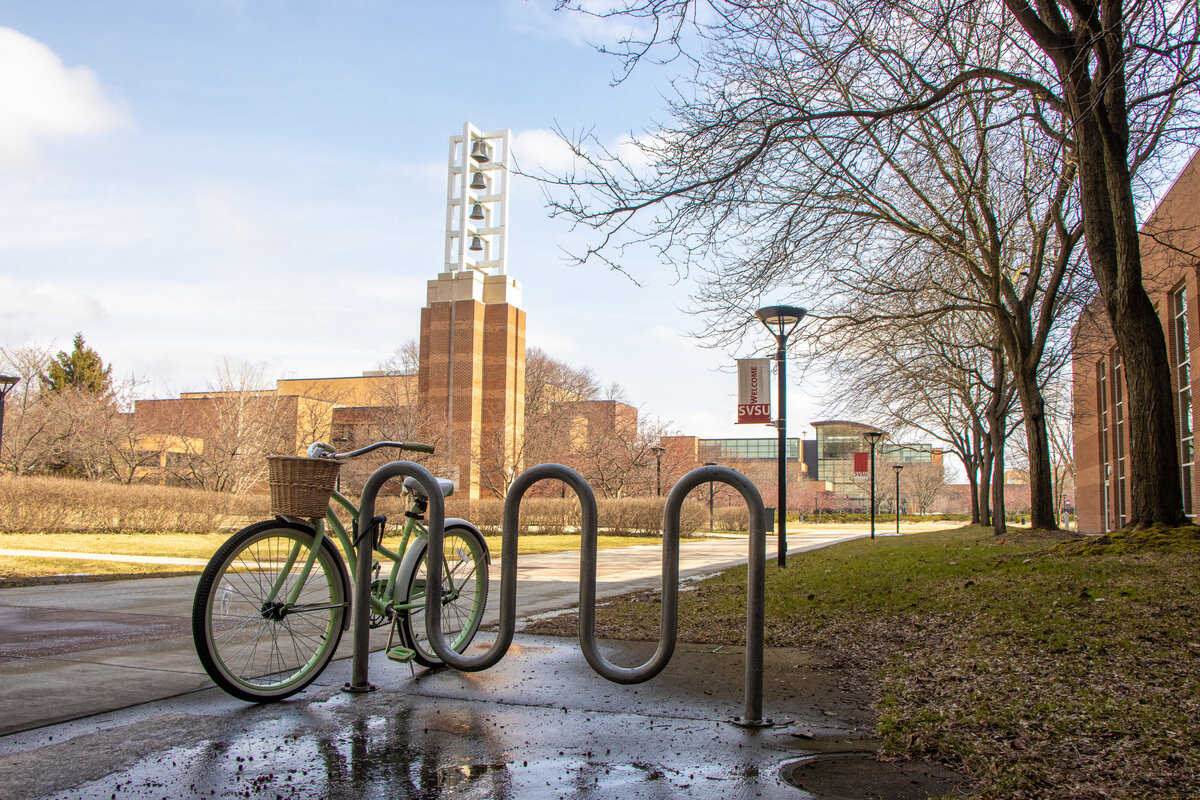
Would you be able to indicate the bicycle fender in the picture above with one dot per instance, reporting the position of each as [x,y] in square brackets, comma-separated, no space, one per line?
[413,554]
[455,522]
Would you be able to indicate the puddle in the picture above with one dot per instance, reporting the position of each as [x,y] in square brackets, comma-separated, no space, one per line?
[861,776]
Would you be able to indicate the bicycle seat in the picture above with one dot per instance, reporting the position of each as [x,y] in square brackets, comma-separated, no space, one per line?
[414,486]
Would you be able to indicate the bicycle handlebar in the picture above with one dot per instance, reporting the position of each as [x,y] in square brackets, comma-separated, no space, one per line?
[416,447]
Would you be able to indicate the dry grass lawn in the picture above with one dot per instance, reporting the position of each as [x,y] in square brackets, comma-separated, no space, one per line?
[1042,671]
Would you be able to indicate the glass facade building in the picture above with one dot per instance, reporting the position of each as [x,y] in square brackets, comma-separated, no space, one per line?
[730,449]
[838,442]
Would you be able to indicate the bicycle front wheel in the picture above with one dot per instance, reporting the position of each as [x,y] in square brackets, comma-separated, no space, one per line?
[464,595]
[255,641]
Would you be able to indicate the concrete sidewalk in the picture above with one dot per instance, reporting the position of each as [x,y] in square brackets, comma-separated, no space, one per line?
[71,650]
[540,724]
[117,658]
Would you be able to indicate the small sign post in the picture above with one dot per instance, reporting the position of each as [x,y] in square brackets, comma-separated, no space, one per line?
[754,391]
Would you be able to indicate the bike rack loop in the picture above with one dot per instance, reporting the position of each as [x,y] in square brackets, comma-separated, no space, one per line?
[436,523]
[668,618]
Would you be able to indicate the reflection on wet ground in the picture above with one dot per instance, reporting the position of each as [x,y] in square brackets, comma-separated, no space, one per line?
[540,724]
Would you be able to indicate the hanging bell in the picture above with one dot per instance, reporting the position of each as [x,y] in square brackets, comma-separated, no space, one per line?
[478,181]
[476,244]
[480,151]
[476,212]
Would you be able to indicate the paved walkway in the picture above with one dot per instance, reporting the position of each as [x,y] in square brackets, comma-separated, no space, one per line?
[112,655]
[72,650]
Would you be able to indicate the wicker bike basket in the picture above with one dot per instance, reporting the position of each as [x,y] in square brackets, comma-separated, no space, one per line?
[300,487]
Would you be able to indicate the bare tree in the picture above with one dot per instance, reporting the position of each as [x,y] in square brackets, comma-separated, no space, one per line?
[1126,76]
[611,449]
[551,428]
[775,80]
[221,438]
[29,429]
[1060,426]
[937,379]
[549,381]
[922,483]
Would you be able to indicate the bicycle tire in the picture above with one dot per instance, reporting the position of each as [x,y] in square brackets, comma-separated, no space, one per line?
[465,571]
[247,642]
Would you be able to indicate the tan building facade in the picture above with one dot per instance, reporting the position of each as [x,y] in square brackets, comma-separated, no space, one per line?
[1170,248]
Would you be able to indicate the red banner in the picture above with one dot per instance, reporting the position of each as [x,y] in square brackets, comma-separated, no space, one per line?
[754,390]
[862,465]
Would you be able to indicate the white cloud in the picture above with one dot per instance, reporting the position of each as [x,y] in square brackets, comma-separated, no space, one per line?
[41,98]
[631,150]
[553,342]
[540,17]
[541,149]
[228,216]
[46,300]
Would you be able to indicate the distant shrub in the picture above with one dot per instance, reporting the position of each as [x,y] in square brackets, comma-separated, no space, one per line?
[862,516]
[731,518]
[35,504]
[627,516]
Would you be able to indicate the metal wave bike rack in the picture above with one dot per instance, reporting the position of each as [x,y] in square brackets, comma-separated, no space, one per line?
[669,615]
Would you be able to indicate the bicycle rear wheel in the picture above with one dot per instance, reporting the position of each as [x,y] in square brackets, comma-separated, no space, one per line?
[252,642]
[464,595]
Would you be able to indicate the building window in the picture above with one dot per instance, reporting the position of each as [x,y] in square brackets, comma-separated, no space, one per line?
[1183,382]
[1118,390]
[1105,466]
[738,449]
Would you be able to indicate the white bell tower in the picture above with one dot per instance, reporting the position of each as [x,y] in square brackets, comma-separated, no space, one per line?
[477,201]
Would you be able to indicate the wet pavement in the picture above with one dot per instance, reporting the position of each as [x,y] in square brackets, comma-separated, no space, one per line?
[540,724]
[70,650]
[102,696]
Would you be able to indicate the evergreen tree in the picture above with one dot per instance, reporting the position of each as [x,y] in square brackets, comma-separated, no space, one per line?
[81,369]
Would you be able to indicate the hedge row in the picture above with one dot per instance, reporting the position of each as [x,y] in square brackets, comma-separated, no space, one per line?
[31,504]
[62,505]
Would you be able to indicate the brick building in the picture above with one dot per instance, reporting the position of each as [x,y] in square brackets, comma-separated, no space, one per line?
[1170,248]
[472,374]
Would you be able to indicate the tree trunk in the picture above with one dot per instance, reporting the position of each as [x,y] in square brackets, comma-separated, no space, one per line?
[996,434]
[1111,234]
[985,482]
[1041,477]
[972,468]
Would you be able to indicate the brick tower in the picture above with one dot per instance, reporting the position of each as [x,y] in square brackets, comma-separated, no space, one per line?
[472,356]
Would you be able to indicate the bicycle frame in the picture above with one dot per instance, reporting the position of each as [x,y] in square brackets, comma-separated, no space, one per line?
[380,601]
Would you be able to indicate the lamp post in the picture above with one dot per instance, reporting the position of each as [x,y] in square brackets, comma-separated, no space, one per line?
[7,382]
[873,438]
[781,321]
[710,497]
[897,467]
[658,453]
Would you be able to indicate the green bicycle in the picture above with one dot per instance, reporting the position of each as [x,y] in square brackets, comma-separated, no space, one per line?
[272,604]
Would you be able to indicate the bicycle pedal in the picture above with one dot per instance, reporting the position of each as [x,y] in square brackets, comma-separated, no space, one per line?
[403,655]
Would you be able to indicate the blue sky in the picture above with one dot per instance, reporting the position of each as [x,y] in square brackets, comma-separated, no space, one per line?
[264,181]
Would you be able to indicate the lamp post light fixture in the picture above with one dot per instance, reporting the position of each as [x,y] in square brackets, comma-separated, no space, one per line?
[873,438]
[781,321]
[7,382]
[658,454]
[898,468]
